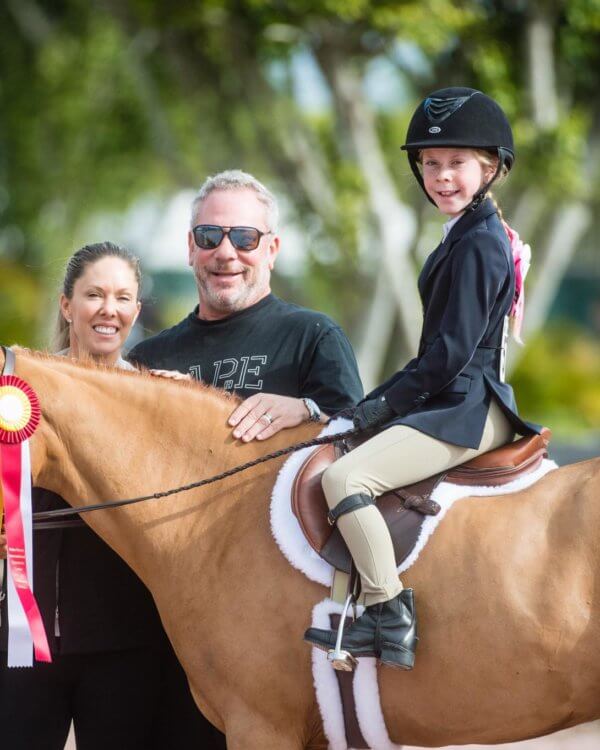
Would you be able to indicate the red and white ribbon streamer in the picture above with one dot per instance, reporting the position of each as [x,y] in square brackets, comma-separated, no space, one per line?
[26,633]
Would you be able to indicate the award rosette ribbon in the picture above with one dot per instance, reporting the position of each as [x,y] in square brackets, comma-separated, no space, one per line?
[19,418]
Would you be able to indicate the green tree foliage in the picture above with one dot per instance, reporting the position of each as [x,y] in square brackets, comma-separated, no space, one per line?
[103,102]
[568,400]
[20,296]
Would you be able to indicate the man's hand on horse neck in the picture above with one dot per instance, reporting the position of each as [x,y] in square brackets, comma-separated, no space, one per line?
[261,416]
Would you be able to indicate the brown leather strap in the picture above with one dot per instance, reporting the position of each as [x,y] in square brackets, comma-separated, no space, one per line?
[354,736]
[417,496]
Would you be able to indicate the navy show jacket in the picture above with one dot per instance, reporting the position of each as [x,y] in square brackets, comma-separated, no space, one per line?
[466,286]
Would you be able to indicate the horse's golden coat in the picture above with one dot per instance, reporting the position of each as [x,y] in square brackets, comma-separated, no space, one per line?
[507,590]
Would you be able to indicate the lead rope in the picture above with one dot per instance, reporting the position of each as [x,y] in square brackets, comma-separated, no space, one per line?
[43,515]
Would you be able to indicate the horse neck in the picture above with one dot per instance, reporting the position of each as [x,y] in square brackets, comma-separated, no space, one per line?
[109,435]
[101,421]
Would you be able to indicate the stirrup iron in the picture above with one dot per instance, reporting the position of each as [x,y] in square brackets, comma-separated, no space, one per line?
[339,659]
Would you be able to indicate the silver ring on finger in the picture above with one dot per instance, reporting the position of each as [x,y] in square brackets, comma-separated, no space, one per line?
[266,416]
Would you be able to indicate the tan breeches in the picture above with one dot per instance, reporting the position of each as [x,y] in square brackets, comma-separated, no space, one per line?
[395,457]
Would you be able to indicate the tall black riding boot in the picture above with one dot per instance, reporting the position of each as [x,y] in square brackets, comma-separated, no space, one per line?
[387,630]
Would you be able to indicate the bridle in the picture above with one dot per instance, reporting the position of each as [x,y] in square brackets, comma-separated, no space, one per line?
[45,519]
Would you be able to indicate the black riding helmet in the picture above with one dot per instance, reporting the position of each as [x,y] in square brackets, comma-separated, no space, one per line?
[461,117]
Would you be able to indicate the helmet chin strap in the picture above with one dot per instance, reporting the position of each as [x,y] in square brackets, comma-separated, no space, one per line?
[480,195]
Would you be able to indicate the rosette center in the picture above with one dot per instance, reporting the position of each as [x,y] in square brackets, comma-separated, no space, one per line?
[15,408]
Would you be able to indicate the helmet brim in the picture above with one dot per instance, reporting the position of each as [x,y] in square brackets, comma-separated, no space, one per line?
[450,143]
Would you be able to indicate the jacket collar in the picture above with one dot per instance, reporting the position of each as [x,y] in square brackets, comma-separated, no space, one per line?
[469,219]
[462,226]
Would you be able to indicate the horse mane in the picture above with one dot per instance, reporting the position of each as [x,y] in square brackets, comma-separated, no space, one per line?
[93,365]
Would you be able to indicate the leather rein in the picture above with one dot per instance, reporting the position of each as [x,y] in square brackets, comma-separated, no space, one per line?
[44,519]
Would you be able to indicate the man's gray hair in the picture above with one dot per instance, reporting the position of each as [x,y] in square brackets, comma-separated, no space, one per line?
[235,179]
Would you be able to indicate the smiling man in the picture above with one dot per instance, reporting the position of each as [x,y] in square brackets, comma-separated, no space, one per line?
[290,364]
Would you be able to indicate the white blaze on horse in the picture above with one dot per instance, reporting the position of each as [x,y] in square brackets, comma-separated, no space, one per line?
[509,603]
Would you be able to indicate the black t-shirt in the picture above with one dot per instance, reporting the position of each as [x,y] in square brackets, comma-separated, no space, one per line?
[272,346]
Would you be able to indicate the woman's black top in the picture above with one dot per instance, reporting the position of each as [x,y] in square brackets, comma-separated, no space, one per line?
[85,591]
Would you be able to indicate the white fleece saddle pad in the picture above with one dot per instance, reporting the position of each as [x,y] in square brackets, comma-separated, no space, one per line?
[288,535]
[292,542]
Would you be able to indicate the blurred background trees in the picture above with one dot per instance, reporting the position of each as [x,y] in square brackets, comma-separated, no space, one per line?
[113,111]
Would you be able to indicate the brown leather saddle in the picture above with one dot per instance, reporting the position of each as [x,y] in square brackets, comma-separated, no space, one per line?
[405,508]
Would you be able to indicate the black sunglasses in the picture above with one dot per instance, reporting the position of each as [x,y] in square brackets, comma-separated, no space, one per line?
[210,236]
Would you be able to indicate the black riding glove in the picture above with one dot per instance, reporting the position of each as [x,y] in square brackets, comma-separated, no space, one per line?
[373,413]
[347,413]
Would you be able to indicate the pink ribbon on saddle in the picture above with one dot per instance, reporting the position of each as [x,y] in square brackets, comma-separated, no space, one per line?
[26,627]
[521,253]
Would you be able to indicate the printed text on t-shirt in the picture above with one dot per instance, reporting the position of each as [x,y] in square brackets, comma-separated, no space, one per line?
[233,373]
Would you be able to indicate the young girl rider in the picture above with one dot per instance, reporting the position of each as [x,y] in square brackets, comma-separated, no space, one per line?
[450,403]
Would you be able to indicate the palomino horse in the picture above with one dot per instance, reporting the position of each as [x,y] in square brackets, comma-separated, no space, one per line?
[507,590]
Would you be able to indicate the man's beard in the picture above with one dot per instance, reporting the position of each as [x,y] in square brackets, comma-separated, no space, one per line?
[255,283]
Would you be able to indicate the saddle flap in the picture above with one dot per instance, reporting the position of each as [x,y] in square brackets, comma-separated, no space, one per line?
[310,508]
[308,501]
